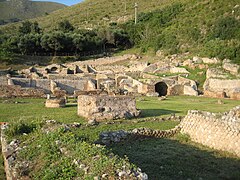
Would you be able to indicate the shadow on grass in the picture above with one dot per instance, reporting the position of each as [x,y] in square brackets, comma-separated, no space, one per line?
[156,112]
[169,159]
[71,105]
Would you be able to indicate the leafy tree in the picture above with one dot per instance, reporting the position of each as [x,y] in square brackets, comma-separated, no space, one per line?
[29,43]
[78,42]
[35,28]
[25,28]
[53,41]
[65,26]
[29,27]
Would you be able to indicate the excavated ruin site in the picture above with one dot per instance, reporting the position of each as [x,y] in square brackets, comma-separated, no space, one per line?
[106,90]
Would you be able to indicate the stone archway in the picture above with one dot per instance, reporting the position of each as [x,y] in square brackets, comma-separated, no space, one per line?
[54,69]
[161,88]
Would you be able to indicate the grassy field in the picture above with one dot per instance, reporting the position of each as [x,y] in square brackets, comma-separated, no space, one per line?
[170,158]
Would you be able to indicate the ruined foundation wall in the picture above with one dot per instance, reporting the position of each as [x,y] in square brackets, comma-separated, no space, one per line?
[43,84]
[72,85]
[3,80]
[218,131]
[107,107]
[222,85]
[9,91]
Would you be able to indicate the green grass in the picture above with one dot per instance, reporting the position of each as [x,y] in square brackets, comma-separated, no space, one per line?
[30,109]
[170,158]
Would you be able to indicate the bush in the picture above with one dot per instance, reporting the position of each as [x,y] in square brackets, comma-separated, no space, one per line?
[20,127]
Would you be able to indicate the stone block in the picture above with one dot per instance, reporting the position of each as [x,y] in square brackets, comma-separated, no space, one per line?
[55,103]
[103,107]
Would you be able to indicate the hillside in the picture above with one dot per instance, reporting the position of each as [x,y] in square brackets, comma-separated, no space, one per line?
[92,13]
[16,10]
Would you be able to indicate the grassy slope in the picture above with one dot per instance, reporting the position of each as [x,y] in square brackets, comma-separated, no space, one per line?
[91,13]
[26,9]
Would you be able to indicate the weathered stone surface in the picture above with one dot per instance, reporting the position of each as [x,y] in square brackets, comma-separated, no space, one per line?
[188,90]
[215,73]
[176,90]
[232,68]
[178,70]
[218,131]
[55,103]
[107,107]
[210,61]
[197,60]
[208,93]
[228,86]
[150,69]
[16,91]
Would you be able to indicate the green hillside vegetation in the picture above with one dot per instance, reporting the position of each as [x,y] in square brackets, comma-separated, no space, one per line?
[208,28]
[17,10]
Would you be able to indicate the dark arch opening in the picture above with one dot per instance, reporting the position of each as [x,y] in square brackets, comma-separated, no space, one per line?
[161,88]
[54,69]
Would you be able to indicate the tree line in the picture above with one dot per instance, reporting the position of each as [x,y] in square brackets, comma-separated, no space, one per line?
[30,39]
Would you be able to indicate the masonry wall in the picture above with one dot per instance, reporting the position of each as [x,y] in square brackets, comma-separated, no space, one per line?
[72,85]
[218,131]
[8,91]
[107,107]
[3,80]
[64,84]
[219,85]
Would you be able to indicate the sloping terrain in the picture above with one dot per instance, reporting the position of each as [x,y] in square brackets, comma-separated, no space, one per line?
[16,10]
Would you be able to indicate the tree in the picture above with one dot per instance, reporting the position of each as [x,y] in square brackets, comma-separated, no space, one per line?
[25,28]
[35,28]
[29,27]
[65,26]
[53,41]
[29,43]
[78,42]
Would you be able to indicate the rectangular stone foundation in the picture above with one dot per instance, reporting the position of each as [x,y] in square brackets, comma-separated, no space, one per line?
[106,107]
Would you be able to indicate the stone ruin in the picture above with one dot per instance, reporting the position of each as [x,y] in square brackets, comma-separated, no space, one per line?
[217,131]
[127,74]
[101,74]
[55,103]
[106,107]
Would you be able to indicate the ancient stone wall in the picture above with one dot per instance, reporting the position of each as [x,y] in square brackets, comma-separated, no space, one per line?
[104,61]
[229,86]
[219,85]
[218,131]
[72,85]
[107,107]
[9,91]
[43,84]
[3,80]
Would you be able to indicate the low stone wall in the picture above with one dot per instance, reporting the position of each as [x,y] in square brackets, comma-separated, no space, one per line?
[55,103]
[16,91]
[3,80]
[107,138]
[218,131]
[107,107]
[228,86]
[215,94]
